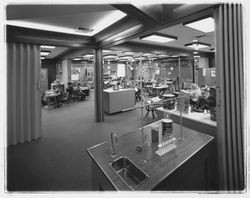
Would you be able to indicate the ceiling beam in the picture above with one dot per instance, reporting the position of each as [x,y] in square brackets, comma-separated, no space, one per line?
[137,14]
[42,37]
[130,29]
[156,49]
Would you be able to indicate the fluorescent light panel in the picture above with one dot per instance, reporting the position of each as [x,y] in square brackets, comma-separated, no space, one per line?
[204,25]
[44,53]
[109,19]
[160,38]
[47,46]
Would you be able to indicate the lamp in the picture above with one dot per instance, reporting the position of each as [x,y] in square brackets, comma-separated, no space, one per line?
[197,45]
[158,37]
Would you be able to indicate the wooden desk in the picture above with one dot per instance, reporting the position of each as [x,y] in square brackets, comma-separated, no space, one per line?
[184,168]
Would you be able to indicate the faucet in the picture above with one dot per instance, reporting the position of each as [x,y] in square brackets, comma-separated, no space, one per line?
[113,140]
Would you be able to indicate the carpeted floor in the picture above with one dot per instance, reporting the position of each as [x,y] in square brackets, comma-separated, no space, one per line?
[58,161]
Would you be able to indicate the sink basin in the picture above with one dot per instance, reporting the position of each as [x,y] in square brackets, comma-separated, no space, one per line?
[131,174]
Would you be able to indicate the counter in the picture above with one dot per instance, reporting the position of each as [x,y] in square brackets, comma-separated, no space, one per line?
[193,120]
[118,100]
[187,164]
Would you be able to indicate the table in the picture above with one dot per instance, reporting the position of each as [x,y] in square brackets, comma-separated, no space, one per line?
[51,96]
[158,90]
[118,100]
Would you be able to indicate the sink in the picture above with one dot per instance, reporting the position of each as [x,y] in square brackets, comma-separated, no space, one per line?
[131,174]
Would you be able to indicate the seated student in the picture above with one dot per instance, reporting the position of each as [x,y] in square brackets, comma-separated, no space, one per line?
[194,95]
[70,90]
[202,103]
[79,92]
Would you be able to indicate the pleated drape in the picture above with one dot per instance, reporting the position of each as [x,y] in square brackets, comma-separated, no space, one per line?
[230,96]
[23,93]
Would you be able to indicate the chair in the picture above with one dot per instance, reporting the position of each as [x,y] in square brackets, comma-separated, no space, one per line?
[149,107]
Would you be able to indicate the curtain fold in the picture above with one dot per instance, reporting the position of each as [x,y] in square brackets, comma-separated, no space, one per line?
[23,93]
[230,96]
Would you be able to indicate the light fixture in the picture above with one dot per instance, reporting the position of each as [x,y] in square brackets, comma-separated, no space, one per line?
[48,46]
[162,55]
[42,58]
[204,25]
[148,54]
[158,37]
[43,53]
[195,52]
[197,45]
[196,56]
[88,56]
[140,57]
[109,56]
[106,51]
[77,59]
[125,57]
[107,19]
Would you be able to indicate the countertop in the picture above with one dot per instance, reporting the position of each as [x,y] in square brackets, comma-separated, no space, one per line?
[110,90]
[158,168]
[195,116]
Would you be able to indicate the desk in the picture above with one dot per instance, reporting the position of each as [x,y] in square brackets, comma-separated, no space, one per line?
[118,100]
[158,90]
[193,120]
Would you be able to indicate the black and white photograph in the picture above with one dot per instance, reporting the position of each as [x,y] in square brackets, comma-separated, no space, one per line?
[142,98]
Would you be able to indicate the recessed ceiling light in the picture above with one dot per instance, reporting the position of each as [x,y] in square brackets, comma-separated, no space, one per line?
[44,53]
[195,52]
[196,56]
[160,38]
[48,46]
[204,25]
[42,58]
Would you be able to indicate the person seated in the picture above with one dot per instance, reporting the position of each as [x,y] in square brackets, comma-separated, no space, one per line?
[79,92]
[137,92]
[202,102]
[70,90]
[194,95]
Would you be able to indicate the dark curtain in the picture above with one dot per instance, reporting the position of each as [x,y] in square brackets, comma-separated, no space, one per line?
[230,96]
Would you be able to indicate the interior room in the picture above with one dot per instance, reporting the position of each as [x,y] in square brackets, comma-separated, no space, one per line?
[125,97]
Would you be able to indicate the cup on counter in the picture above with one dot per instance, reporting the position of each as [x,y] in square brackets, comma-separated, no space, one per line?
[167,128]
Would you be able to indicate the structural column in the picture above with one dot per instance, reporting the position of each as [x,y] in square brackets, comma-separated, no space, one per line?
[99,113]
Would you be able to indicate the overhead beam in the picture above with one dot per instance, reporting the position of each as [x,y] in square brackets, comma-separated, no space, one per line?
[137,14]
[131,29]
[156,49]
[29,35]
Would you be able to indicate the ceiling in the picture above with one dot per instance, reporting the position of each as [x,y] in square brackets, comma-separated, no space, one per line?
[127,19]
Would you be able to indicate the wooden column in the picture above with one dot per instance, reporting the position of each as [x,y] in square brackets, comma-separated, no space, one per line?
[98,84]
